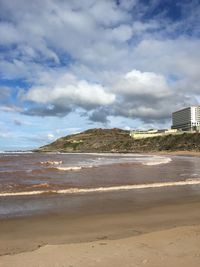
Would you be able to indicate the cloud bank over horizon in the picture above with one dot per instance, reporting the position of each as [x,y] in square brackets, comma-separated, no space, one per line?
[72,65]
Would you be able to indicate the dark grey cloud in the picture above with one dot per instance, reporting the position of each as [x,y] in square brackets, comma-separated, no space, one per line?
[48,111]
[151,110]
[100,115]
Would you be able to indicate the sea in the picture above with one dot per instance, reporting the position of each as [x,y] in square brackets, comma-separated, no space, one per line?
[38,183]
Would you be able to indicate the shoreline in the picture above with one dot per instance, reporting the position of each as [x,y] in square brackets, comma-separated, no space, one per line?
[29,233]
[180,153]
[162,152]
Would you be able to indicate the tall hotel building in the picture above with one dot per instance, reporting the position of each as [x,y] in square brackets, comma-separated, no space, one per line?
[187,119]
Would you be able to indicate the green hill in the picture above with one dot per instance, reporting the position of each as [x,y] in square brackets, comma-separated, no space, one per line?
[117,140]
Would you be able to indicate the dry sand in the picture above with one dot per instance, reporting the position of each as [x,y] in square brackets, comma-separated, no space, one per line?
[175,247]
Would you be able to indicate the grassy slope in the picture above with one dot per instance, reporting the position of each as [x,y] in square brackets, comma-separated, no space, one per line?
[117,140]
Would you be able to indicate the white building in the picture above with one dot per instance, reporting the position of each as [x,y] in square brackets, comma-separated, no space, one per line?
[187,119]
[153,133]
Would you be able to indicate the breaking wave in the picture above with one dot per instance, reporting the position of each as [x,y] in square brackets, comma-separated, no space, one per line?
[73,168]
[49,163]
[103,189]
[157,161]
[104,160]
[153,162]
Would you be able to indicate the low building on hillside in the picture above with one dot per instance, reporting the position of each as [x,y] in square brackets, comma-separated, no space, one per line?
[153,133]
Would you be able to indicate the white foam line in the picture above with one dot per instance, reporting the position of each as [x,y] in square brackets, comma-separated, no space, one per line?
[104,189]
[157,161]
[74,168]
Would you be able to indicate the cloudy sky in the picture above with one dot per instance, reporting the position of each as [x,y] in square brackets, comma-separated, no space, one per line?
[66,66]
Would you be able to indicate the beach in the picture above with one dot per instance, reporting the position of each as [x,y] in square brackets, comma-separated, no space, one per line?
[156,236]
[175,247]
[145,226]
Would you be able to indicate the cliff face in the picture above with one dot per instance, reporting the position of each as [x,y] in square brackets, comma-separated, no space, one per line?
[117,140]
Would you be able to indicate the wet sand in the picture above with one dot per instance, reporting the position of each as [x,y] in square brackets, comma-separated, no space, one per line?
[178,153]
[100,223]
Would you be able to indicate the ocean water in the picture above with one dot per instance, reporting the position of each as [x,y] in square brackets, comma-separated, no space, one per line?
[31,182]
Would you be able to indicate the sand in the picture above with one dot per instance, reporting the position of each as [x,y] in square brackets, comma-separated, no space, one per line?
[175,247]
[162,235]
[178,153]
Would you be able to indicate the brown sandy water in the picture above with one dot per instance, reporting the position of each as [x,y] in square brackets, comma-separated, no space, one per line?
[30,221]
[23,176]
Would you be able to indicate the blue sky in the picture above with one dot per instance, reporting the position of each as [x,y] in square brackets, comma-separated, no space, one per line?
[66,66]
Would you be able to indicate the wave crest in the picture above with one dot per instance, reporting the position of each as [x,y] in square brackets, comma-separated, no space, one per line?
[73,168]
[189,181]
[157,161]
[49,163]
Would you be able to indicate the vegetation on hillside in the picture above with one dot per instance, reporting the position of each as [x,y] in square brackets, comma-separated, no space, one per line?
[117,140]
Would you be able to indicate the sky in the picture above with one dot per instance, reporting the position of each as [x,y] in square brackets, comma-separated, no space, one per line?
[66,66]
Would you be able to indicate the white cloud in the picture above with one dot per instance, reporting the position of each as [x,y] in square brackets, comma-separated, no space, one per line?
[121,33]
[128,4]
[50,136]
[136,83]
[179,56]
[100,12]
[10,108]
[68,90]
[8,33]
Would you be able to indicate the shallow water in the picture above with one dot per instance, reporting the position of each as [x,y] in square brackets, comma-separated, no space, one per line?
[29,175]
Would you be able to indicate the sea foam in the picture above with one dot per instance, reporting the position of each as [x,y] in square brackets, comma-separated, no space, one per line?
[104,189]
[157,161]
[75,168]
[47,163]
[102,161]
